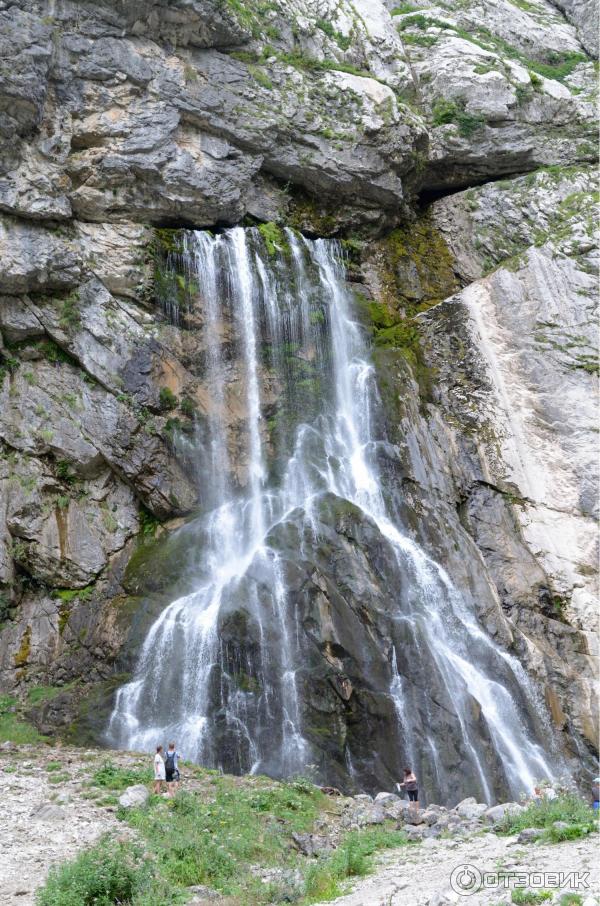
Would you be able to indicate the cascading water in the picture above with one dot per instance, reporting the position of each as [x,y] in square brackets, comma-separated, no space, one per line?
[226,669]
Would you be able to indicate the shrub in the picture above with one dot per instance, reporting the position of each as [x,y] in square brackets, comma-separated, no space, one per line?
[167,398]
[530,897]
[187,407]
[69,312]
[445,111]
[568,807]
[108,874]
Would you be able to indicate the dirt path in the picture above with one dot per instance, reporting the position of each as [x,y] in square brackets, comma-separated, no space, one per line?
[421,875]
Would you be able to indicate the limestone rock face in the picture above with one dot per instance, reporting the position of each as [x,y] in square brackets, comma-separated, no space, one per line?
[121,121]
[505,434]
[496,95]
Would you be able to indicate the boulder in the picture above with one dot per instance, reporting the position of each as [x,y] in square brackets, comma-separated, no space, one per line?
[48,812]
[469,808]
[312,844]
[134,796]
[413,831]
[429,817]
[497,813]
[386,799]
[530,835]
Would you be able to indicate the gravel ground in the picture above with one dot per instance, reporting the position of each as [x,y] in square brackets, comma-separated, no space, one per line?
[49,811]
[421,875]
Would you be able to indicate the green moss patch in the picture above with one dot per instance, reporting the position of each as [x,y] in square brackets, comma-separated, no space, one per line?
[13,725]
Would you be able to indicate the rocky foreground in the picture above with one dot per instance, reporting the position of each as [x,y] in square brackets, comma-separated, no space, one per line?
[56,801]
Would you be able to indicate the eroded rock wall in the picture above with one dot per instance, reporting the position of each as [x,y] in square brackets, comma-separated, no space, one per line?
[121,119]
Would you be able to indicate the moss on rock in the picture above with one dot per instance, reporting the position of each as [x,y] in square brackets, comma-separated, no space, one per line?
[22,656]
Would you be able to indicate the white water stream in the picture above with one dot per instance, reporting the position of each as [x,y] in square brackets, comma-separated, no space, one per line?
[182,686]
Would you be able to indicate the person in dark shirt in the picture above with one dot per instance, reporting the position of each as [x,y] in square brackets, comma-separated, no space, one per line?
[412,788]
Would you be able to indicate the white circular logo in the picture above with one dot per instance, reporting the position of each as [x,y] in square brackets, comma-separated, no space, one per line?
[465,879]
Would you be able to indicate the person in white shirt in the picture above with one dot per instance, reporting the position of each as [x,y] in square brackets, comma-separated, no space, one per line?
[159,770]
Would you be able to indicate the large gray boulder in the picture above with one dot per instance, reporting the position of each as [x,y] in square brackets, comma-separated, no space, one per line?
[470,808]
[134,796]
[497,813]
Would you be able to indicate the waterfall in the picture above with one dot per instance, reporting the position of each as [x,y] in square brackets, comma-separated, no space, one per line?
[224,670]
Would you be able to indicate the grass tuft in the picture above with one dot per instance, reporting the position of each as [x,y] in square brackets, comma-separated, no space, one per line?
[113,777]
[567,807]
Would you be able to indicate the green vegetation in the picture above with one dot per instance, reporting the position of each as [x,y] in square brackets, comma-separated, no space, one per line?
[214,833]
[22,656]
[40,694]
[353,858]
[567,807]
[71,594]
[113,777]
[53,353]
[63,470]
[215,842]
[148,523]
[13,726]
[8,365]
[343,41]
[108,874]
[69,312]
[570,899]
[188,407]
[260,76]
[557,65]
[404,8]
[298,61]
[274,239]
[307,214]
[416,272]
[167,399]
[190,74]
[445,111]
[523,897]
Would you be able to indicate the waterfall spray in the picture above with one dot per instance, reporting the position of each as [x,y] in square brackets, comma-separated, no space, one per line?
[291,317]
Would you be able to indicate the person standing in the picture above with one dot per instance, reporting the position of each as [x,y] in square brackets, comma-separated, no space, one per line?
[172,769]
[596,794]
[411,786]
[159,770]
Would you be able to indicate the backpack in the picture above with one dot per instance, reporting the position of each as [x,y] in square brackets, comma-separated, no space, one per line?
[170,761]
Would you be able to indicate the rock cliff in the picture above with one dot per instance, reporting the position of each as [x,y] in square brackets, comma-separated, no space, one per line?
[451,146]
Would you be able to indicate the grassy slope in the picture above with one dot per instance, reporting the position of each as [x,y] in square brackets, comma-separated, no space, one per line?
[221,831]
